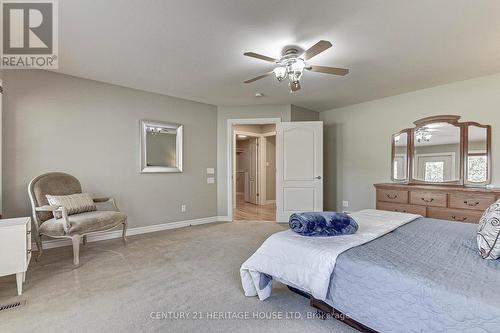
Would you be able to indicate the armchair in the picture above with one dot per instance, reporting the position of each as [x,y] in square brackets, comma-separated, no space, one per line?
[77,226]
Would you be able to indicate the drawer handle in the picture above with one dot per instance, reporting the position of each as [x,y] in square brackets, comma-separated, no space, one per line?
[471,204]
[392,197]
[459,219]
[397,211]
[427,200]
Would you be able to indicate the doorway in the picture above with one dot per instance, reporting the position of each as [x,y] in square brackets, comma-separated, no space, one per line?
[298,171]
[254,172]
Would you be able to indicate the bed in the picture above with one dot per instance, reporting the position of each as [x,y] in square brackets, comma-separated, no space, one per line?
[424,276]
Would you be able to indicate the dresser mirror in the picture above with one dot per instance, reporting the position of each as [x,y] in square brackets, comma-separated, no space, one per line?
[161,147]
[443,151]
[478,154]
[400,144]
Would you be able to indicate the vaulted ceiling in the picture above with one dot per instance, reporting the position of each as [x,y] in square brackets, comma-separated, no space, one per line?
[194,49]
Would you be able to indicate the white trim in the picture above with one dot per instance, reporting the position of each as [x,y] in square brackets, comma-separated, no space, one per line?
[58,242]
[272,133]
[230,143]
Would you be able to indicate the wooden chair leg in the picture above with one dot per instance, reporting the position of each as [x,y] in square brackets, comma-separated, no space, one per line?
[39,246]
[124,233]
[76,249]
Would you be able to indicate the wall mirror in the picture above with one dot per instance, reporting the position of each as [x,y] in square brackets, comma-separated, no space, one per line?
[161,147]
[441,150]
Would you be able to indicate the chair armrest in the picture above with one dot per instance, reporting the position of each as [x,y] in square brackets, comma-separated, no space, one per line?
[107,200]
[48,208]
[64,214]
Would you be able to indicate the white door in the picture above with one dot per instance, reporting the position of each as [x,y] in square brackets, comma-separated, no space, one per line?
[299,177]
[252,170]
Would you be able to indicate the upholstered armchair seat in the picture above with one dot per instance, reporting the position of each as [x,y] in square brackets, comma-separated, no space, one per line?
[83,223]
[75,226]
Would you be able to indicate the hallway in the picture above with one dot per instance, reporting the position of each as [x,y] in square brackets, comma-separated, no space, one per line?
[245,211]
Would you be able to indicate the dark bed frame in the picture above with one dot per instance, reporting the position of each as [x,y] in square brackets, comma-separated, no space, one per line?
[325,311]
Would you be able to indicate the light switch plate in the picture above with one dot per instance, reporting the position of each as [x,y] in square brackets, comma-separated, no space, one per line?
[210,180]
[210,171]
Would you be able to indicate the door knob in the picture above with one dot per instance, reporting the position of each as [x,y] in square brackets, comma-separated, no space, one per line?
[318,177]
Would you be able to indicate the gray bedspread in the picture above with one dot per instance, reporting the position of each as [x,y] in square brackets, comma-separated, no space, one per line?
[426,276]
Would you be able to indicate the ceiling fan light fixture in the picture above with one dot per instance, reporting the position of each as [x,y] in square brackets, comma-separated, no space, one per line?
[280,73]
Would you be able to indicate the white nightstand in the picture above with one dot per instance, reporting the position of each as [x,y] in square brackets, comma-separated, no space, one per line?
[15,248]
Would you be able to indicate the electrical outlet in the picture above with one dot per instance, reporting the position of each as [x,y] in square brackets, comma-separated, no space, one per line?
[210,180]
[345,204]
[210,171]
[183,208]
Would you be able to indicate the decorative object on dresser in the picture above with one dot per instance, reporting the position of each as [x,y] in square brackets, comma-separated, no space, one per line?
[461,204]
[76,226]
[15,248]
[441,150]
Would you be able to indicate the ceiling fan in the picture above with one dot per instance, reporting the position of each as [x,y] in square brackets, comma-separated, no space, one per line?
[292,64]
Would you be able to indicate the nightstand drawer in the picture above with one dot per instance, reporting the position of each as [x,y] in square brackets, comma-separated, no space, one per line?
[471,201]
[424,198]
[401,208]
[387,195]
[458,215]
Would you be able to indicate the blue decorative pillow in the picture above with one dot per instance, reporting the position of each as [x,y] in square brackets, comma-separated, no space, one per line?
[322,224]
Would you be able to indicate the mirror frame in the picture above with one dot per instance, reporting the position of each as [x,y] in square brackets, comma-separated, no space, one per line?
[464,128]
[178,147]
[393,155]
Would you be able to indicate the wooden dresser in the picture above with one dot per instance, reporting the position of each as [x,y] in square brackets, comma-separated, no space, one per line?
[462,204]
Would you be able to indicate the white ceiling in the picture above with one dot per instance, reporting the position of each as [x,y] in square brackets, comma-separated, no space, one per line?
[194,49]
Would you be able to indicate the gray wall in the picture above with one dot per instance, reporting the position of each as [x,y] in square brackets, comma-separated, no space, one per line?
[55,122]
[302,114]
[358,137]
[238,112]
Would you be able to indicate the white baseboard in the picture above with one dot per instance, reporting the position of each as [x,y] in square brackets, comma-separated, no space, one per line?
[117,233]
[224,219]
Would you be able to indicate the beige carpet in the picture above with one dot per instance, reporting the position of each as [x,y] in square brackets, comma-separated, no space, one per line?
[192,271]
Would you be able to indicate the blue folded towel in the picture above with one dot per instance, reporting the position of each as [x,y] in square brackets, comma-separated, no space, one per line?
[322,224]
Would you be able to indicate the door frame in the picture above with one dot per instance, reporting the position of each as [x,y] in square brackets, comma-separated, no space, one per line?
[231,152]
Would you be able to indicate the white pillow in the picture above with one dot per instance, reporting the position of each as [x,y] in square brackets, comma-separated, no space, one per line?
[74,203]
[488,234]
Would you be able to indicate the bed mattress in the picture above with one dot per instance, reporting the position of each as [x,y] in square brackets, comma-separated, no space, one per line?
[425,276]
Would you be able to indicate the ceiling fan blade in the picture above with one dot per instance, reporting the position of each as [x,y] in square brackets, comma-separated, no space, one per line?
[316,49]
[294,86]
[258,77]
[328,70]
[259,56]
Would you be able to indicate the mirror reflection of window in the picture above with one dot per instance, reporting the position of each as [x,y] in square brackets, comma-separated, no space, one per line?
[161,147]
[400,159]
[437,153]
[477,159]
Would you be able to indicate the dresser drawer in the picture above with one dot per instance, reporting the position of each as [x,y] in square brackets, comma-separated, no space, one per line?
[425,198]
[471,201]
[387,195]
[402,208]
[459,215]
